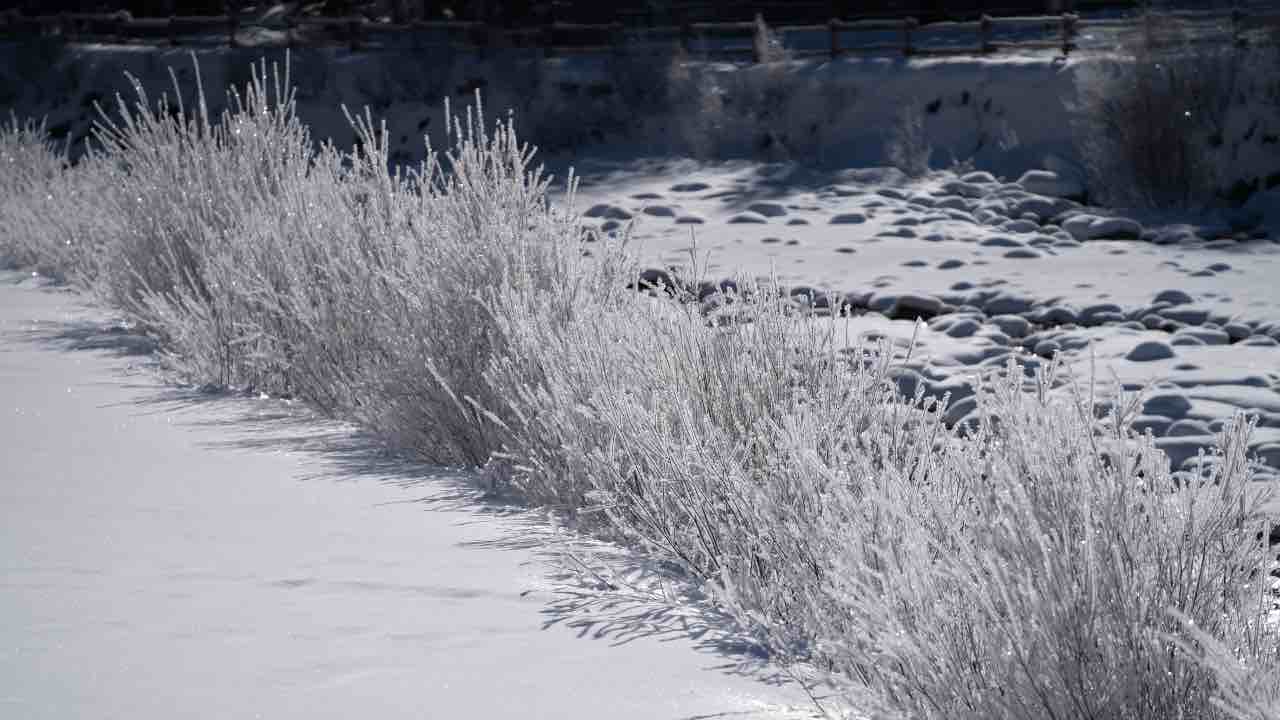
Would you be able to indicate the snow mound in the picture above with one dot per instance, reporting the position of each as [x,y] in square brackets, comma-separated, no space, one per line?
[1047,182]
[1150,350]
[1084,226]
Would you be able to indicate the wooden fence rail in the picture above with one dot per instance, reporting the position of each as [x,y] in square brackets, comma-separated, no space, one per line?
[1055,32]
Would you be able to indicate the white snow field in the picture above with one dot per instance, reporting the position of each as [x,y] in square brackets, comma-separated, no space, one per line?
[166,557]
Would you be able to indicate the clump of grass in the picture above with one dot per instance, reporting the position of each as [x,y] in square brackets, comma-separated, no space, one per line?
[32,165]
[907,146]
[1152,123]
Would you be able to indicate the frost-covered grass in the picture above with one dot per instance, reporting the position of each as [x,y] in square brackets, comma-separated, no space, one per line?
[32,167]
[1041,562]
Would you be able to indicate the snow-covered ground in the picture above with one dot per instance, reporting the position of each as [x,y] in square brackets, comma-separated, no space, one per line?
[997,270]
[166,555]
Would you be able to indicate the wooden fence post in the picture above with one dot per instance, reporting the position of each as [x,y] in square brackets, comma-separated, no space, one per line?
[1068,32]
[1237,20]
[353,34]
[548,40]
[173,32]
[686,37]
[834,26]
[233,25]
[908,26]
[984,34]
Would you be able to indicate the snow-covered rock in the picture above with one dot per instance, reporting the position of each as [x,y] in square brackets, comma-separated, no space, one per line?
[1187,427]
[1208,336]
[1015,326]
[1237,331]
[1173,297]
[1117,228]
[963,328]
[849,218]
[1047,182]
[1001,241]
[880,176]
[1040,206]
[906,306]
[1084,226]
[1021,226]
[979,178]
[1187,315]
[611,212]
[1007,304]
[952,203]
[964,189]
[1101,313]
[1166,404]
[1150,350]
[1157,424]
[1047,348]
[768,209]
[1078,225]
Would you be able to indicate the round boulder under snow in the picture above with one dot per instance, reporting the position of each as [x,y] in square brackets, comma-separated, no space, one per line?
[1173,297]
[1015,326]
[979,178]
[1091,227]
[910,306]
[1047,182]
[1173,405]
[1116,229]
[1150,350]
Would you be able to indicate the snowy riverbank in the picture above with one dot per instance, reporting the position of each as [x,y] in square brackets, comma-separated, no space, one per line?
[163,555]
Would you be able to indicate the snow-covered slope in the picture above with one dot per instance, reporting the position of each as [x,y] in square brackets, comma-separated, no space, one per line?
[1005,113]
[163,556]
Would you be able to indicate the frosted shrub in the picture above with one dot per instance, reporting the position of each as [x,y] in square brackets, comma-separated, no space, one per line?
[766,44]
[368,293]
[708,445]
[32,172]
[481,223]
[907,147]
[1047,592]
[771,111]
[1040,563]
[52,212]
[1148,123]
[1025,570]
[1247,689]
[183,184]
